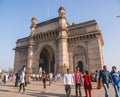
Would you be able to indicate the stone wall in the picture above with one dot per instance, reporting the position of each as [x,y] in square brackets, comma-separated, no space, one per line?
[77,52]
[94,55]
[21,57]
[82,28]
[47,27]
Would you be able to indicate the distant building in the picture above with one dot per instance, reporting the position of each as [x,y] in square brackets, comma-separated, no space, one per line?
[55,45]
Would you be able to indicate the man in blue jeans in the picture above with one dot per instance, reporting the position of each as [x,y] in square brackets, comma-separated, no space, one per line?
[115,80]
[105,75]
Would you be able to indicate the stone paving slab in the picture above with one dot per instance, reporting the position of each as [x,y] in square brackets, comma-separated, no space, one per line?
[35,89]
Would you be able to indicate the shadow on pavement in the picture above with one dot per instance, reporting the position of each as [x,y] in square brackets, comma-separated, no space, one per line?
[47,94]
[4,90]
[8,85]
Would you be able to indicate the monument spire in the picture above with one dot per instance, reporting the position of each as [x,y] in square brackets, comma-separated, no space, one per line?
[62,12]
[33,25]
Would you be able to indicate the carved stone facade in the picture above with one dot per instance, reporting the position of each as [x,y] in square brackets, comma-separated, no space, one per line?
[55,45]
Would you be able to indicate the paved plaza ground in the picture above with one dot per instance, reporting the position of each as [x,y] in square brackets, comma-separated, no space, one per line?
[35,89]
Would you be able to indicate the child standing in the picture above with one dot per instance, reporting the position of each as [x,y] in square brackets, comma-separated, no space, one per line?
[87,83]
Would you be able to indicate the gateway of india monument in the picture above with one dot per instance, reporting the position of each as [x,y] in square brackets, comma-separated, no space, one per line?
[55,45]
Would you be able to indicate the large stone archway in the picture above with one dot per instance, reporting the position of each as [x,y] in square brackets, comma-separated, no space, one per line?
[55,46]
[47,59]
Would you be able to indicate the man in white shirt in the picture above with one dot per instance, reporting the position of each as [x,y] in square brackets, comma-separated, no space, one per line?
[68,81]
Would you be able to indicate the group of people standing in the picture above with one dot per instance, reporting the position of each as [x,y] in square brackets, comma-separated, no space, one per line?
[78,79]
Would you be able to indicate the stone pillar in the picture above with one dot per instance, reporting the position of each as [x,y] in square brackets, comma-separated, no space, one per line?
[71,65]
[30,58]
[62,42]
[62,55]
[87,57]
[31,49]
[30,55]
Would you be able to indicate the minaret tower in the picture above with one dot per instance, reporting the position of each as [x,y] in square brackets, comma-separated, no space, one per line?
[33,25]
[31,48]
[62,41]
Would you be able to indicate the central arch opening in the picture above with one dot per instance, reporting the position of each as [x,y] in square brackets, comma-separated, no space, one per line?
[47,59]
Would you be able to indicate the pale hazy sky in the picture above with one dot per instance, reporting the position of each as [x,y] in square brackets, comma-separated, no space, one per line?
[15,21]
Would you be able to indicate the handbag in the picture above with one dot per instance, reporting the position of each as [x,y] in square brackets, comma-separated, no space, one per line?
[99,84]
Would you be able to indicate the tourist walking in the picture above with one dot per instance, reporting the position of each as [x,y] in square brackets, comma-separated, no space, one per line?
[105,75]
[78,81]
[115,80]
[17,78]
[5,78]
[68,81]
[96,76]
[44,79]
[50,77]
[87,83]
[22,81]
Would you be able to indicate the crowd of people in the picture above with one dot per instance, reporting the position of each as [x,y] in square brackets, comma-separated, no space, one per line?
[5,77]
[78,79]
[50,77]
[102,77]
[21,79]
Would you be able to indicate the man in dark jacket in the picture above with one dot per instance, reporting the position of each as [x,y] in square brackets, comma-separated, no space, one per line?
[17,78]
[105,75]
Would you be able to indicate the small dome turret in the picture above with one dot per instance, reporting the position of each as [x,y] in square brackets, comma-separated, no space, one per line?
[61,11]
[33,22]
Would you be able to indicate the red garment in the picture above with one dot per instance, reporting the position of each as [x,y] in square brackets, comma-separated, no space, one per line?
[86,93]
[87,81]
[77,77]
